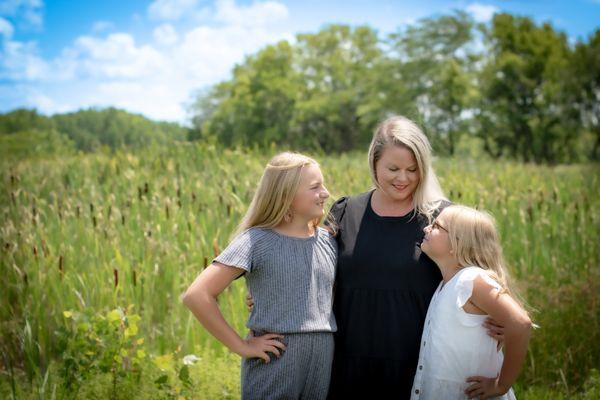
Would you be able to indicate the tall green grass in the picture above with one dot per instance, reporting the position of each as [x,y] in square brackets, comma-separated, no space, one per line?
[101,231]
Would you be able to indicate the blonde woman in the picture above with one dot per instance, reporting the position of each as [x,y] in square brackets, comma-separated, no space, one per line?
[457,359]
[289,265]
[384,282]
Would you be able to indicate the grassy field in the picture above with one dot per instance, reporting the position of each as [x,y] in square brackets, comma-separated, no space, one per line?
[97,248]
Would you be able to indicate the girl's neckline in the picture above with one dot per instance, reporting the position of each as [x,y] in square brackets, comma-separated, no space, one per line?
[386,217]
[302,239]
[443,285]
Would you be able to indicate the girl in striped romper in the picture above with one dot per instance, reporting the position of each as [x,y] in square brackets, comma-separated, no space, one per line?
[288,262]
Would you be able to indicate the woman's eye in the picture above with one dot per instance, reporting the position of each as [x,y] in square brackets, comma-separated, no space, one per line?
[412,170]
[394,169]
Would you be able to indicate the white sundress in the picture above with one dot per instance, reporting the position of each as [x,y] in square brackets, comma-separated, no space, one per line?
[454,344]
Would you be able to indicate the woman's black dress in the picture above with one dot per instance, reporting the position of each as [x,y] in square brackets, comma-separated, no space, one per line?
[383,286]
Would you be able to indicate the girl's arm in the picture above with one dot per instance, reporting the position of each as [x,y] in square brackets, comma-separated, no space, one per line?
[517,326]
[201,299]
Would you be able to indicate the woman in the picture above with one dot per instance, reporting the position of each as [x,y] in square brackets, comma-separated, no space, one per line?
[384,283]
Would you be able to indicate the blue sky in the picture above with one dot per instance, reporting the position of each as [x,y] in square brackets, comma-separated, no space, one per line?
[150,57]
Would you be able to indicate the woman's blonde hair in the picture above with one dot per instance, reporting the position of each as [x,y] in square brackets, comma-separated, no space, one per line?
[475,241]
[401,131]
[275,192]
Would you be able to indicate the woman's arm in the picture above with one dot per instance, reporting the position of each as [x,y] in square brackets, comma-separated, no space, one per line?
[495,330]
[201,299]
[517,327]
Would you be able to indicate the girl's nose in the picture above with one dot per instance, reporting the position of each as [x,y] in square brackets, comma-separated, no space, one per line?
[427,228]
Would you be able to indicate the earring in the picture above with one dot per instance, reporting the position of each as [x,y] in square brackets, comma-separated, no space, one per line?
[288,216]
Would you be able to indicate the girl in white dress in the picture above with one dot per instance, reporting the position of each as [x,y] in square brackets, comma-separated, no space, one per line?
[458,359]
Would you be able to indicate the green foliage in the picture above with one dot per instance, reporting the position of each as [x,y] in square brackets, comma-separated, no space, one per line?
[512,88]
[320,94]
[25,133]
[89,232]
[523,105]
[24,120]
[101,343]
[115,128]
[35,143]
[435,59]
[519,88]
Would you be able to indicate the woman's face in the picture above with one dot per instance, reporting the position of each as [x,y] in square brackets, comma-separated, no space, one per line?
[309,200]
[436,243]
[397,172]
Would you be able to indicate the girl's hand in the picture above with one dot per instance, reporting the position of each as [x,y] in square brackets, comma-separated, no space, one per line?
[495,330]
[249,301]
[484,388]
[257,346]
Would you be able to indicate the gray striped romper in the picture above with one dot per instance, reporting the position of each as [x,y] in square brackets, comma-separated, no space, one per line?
[291,281]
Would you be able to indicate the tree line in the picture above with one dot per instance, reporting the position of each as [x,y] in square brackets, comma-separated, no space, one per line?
[25,132]
[512,88]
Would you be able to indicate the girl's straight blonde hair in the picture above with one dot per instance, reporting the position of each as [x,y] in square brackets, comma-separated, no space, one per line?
[275,192]
[401,131]
[475,240]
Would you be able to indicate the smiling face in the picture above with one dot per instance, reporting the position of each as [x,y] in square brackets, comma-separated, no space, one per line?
[397,172]
[309,201]
[436,243]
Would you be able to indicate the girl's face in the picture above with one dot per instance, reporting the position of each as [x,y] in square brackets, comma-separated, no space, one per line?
[309,200]
[436,243]
[397,172]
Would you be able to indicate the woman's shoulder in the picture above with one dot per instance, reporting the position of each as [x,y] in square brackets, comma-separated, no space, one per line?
[439,206]
[343,201]
[341,206]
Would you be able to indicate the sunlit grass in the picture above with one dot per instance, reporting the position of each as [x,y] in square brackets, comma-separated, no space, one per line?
[101,231]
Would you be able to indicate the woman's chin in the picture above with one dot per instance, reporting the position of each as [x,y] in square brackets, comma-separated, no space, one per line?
[399,195]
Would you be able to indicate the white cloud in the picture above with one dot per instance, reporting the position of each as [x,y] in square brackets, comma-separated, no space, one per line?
[171,9]
[31,11]
[258,13]
[6,28]
[115,57]
[19,61]
[155,78]
[165,34]
[102,26]
[482,12]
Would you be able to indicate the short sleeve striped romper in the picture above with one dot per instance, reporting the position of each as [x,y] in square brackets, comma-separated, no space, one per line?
[291,281]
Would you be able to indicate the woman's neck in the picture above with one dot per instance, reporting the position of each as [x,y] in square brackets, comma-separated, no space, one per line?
[383,205]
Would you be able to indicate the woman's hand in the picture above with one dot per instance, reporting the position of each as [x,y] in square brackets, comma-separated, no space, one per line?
[249,301]
[484,388]
[257,346]
[495,330]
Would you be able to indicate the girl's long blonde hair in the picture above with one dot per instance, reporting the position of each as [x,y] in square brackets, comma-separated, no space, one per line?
[475,240]
[275,192]
[401,131]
